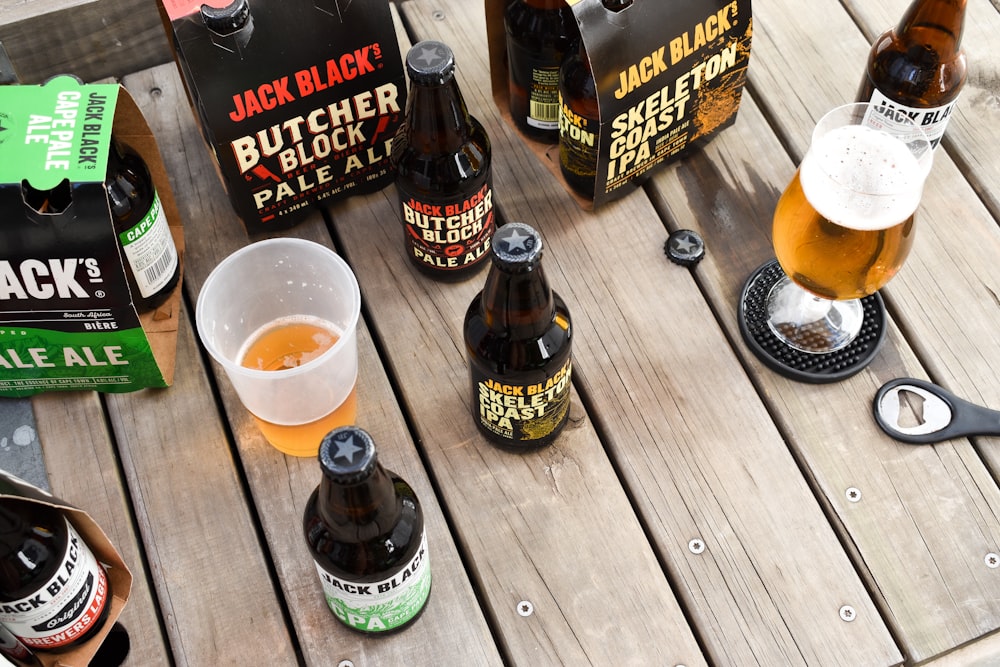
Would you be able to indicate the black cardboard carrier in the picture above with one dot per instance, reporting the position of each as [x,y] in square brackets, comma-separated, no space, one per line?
[669,75]
[298,100]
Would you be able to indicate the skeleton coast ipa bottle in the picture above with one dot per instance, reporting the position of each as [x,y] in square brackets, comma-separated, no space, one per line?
[444,174]
[579,117]
[54,594]
[540,34]
[518,338]
[365,530]
[152,266]
[918,68]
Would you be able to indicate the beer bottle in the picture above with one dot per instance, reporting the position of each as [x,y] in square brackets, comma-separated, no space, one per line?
[152,267]
[518,338]
[579,117]
[540,34]
[14,651]
[444,170]
[365,530]
[54,594]
[919,67]
[230,27]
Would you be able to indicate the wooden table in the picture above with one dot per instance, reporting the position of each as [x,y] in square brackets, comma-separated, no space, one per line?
[700,509]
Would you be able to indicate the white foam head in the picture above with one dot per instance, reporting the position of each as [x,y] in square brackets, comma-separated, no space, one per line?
[862,178]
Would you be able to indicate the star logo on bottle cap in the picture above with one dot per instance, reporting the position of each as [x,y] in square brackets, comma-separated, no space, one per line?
[347,449]
[430,55]
[516,241]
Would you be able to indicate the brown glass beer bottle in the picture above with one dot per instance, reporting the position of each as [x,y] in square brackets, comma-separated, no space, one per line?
[540,34]
[444,170]
[365,531]
[918,67]
[54,594]
[580,118]
[518,338]
[152,266]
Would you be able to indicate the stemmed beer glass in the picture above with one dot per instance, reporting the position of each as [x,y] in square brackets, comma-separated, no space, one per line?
[844,225]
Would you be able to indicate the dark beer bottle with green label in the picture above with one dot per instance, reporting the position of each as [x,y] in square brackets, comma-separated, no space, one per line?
[152,266]
[518,338]
[54,593]
[540,34]
[365,531]
[444,171]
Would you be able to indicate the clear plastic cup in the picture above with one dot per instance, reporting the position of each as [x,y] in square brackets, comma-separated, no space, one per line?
[299,302]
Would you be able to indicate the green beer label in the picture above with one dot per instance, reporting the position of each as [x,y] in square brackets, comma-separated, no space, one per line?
[384,605]
[150,250]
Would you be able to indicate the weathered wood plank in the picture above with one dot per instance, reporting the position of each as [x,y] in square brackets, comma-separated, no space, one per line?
[645,341]
[453,629]
[83,469]
[927,515]
[208,567]
[94,40]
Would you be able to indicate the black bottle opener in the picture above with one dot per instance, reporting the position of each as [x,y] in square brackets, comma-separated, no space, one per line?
[943,415]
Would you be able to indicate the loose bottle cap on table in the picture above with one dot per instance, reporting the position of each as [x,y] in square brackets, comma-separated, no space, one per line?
[347,455]
[226,20]
[684,247]
[430,62]
[517,243]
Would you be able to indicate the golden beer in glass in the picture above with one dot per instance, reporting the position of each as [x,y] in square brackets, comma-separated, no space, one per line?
[844,226]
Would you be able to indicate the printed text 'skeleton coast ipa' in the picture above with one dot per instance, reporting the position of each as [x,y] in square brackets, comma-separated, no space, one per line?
[288,343]
[365,531]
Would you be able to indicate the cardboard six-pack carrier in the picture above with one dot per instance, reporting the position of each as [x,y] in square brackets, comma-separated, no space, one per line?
[119,575]
[298,100]
[67,319]
[669,76]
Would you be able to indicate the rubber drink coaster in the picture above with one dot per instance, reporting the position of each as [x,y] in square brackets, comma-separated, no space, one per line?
[792,363]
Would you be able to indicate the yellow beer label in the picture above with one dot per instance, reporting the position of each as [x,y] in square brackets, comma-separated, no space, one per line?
[523,413]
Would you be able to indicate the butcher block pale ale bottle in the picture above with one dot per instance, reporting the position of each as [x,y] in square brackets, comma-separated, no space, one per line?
[365,530]
[54,594]
[518,338]
[444,170]
[918,68]
[540,34]
[152,266]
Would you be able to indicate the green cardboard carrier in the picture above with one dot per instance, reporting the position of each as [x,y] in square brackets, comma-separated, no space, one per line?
[67,320]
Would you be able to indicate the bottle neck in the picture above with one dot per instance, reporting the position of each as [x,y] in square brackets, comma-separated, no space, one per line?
[940,22]
[437,120]
[351,507]
[518,303]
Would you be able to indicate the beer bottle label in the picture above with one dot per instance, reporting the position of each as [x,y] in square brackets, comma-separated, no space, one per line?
[150,251]
[523,413]
[384,605]
[887,114]
[67,606]
[542,88]
[578,142]
[452,235]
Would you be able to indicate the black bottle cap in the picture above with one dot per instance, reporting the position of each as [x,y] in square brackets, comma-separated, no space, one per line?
[347,455]
[517,243]
[226,20]
[430,62]
[684,247]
